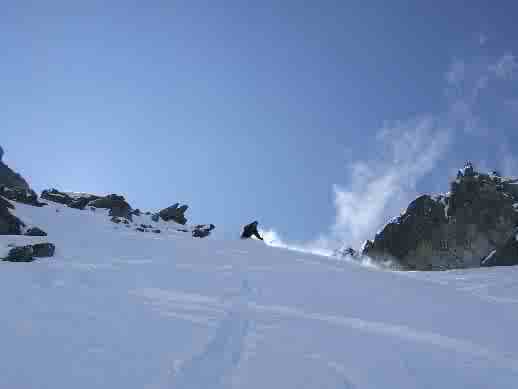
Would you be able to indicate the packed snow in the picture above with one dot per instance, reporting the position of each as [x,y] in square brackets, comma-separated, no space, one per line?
[117,308]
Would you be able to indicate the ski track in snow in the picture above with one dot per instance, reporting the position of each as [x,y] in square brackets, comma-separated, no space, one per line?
[232,330]
[213,367]
[116,308]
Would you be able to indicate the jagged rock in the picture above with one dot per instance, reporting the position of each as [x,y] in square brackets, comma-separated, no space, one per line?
[9,178]
[56,196]
[20,254]
[9,224]
[456,230]
[202,230]
[43,250]
[507,255]
[137,212]
[80,203]
[21,195]
[115,203]
[140,229]
[115,220]
[174,213]
[71,199]
[146,226]
[157,231]
[35,231]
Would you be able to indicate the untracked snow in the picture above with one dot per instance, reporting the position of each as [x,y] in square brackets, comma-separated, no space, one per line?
[116,308]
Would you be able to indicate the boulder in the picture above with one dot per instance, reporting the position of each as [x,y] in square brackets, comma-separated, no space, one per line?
[115,203]
[43,250]
[20,254]
[174,213]
[202,230]
[9,224]
[157,231]
[455,230]
[35,231]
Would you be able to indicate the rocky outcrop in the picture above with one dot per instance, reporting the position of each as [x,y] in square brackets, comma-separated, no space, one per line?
[56,196]
[21,195]
[20,254]
[73,200]
[8,177]
[174,213]
[30,252]
[9,224]
[202,230]
[456,230]
[116,204]
[43,250]
[507,255]
[35,231]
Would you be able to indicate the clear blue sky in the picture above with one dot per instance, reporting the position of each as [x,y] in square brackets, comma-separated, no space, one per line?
[257,110]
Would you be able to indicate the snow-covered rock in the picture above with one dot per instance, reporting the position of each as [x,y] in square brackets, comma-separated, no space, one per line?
[455,230]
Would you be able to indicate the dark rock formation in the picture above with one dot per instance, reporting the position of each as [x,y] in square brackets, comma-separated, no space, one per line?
[43,250]
[9,224]
[174,213]
[21,195]
[73,200]
[202,230]
[80,203]
[457,230]
[9,178]
[20,254]
[157,231]
[30,252]
[35,231]
[155,217]
[507,255]
[56,196]
[115,203]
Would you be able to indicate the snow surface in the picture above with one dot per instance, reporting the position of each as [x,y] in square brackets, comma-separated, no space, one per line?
[118,308]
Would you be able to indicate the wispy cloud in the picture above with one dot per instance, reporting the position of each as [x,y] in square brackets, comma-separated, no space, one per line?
[381,188]
[505,67]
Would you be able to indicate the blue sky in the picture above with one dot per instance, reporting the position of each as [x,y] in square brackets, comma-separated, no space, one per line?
[320,121]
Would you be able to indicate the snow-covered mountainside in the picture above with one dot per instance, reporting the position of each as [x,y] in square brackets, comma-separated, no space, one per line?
[117,308]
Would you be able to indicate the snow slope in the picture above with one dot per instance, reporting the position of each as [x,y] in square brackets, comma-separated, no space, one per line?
[122,309]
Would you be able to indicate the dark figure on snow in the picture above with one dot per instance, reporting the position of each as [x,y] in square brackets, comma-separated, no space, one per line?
[251,229]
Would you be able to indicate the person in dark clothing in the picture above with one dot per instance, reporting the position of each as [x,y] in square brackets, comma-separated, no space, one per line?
[251,230]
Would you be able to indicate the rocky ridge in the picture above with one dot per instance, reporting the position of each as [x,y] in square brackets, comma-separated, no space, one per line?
[474,224]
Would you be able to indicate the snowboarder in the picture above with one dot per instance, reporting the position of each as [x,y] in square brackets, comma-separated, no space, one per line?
[251,229]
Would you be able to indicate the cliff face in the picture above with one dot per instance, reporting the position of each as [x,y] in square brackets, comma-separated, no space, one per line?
[460,229]
[8,177]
